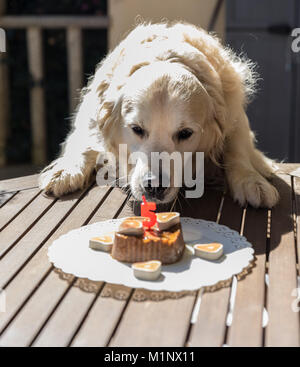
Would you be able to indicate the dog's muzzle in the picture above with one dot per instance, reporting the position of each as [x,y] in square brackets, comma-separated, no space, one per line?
[154,188]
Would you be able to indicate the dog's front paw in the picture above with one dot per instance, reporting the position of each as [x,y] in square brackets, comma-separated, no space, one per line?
[61,178]
[251,187]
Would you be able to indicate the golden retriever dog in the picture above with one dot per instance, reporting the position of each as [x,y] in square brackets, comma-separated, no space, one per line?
[167,87]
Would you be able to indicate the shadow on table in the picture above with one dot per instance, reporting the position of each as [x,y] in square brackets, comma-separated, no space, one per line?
[263,228]
[267,235]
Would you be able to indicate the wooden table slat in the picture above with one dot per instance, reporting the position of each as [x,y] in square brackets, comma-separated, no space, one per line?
[297,202]
[67,328]
[60,329]
[102,319]
[23,223]
[18,202]
[32,240]
[5,197]
[283,326]
[167,322]
[29,278]
[21,183]
[53,292]
[106,311]
[210,328]
[246,329]
[44,310]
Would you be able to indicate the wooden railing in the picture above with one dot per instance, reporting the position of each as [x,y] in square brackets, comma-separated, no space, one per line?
[34,26]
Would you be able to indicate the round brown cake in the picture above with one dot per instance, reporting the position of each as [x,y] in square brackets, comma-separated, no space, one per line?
[166,246]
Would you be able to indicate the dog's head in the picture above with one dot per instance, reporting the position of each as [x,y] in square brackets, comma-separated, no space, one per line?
[163,108]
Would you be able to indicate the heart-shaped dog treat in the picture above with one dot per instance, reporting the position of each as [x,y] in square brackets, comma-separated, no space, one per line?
[140,219]
[102,243]
[167,220]
[150,270]
[209,251]
[131,227]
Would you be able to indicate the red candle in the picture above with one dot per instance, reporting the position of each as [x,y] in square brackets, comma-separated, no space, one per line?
[148,211]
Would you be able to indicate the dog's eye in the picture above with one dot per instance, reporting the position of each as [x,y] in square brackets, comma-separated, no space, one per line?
[138,131]
[185,134]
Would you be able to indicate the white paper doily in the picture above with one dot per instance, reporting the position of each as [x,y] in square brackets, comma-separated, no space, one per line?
[71,254]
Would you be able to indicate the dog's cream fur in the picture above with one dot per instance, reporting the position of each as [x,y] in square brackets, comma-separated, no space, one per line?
[166,77]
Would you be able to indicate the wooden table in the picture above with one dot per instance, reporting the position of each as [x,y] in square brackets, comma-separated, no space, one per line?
[44,310]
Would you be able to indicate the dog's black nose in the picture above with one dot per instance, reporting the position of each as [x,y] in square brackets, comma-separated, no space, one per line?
[155,192]
[153,187]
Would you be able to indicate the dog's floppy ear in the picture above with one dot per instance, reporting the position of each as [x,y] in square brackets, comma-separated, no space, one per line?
[109,117]
[216,138]
[211,83]
[110,109]
[105,114]
[110,106]
[217,122]
[216,126]
[109,114]
[213,87]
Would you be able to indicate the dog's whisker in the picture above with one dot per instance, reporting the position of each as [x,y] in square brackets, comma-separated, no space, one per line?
[174,203]
[185,199]
[179,203]
[117,181]
[128,199]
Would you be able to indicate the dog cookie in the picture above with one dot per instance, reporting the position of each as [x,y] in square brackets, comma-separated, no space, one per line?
[131,227]
[209,251]
[150,270]
[102,243]
[140,219]
[167,220]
